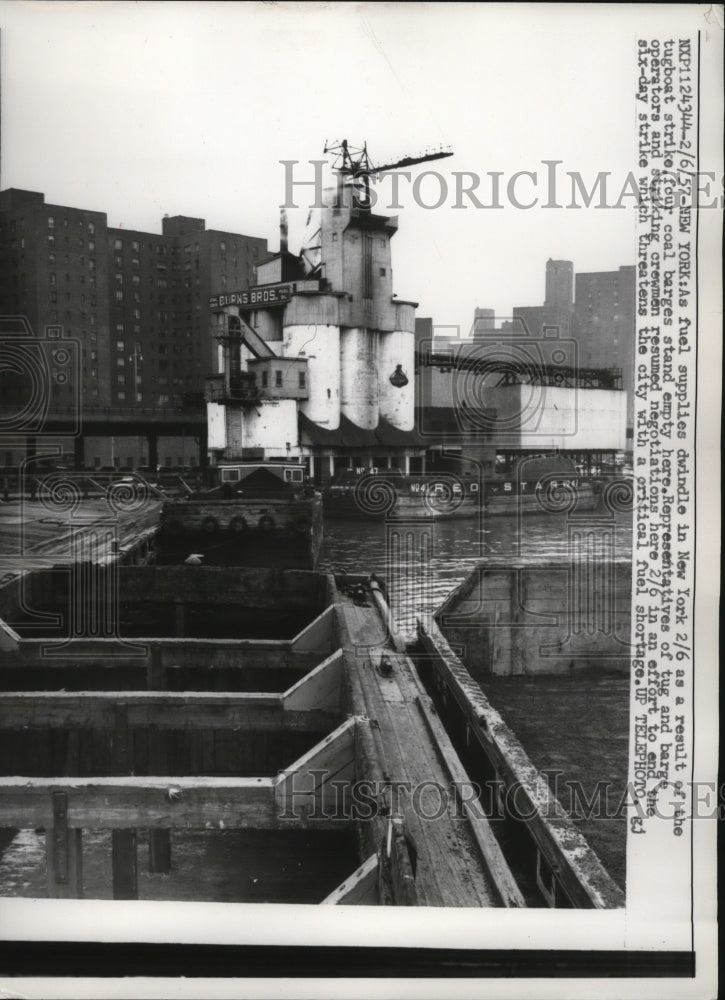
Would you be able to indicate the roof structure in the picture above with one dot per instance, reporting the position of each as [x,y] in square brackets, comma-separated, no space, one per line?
[349,435]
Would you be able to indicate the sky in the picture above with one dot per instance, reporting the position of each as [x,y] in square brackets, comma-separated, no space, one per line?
[141,110]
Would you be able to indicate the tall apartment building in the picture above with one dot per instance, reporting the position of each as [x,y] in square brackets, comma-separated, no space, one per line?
[138,302]
[558,307]
[604,324]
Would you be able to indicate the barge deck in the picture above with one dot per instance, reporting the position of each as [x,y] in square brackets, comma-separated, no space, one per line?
[261,700]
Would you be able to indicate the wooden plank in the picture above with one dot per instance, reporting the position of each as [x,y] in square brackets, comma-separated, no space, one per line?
[320,689]
[318,635]
[401,869]
[164,710]
[207,655]
[360,889]
[170,803]
[63,850]
[449,870]
[508,890]
[314,784]
[566,851]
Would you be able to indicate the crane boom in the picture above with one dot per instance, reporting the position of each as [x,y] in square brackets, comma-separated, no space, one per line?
[356,162]
[408,161]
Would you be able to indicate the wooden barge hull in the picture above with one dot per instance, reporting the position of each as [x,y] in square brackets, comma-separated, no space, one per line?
[243,532]
[534,486]
[328,726]
[404,507]
[414,507]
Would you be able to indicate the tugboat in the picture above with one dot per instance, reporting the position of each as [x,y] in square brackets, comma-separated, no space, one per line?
[540,485]
[253,514]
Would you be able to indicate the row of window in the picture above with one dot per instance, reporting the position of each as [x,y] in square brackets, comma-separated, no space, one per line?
[53,318]
[91,225]
[301,376]
[52,279]
[69,298]
[66,260]
[81,244]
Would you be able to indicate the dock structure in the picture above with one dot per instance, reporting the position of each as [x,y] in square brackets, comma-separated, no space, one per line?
[251,700]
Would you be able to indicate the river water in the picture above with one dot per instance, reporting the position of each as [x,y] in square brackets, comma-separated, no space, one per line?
[421,562]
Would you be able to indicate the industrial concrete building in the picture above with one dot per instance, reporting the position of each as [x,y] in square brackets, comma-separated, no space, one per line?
[503,393]
[318,359]
[595,309]
[137,303]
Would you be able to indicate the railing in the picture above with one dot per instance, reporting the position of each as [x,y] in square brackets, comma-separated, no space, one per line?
[241,389]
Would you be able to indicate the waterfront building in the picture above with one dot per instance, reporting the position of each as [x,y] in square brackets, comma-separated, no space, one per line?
[504,393]
[594,309]
[318,358]
[604,323]
[137,304]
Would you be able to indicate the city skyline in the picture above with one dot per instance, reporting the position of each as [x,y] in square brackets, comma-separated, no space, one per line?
[192,111]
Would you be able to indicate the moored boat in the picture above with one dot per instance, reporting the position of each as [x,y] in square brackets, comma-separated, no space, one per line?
[262,514]
[538,485]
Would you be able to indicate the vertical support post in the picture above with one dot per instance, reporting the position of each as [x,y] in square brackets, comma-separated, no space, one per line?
[159,840]
[63,852]
[406,467]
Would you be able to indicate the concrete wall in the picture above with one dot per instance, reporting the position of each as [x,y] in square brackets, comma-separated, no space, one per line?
[544,619]
[359,376]
[216,425]
[320,345]
[553,417]
[397,403]
[270,424]
[310,310]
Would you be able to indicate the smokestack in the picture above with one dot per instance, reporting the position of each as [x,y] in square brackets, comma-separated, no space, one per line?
[283,231]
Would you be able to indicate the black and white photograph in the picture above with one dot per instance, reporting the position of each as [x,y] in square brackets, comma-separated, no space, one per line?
[359,478]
